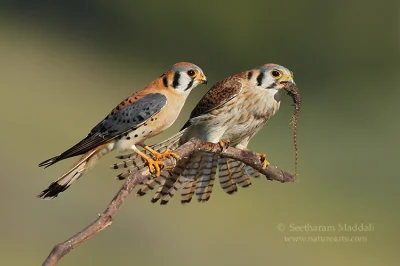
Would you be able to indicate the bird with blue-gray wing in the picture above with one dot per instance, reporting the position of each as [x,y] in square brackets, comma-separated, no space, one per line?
[234,109]
[139,117]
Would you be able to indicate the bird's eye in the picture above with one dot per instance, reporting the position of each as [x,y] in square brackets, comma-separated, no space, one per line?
[191,73]
[276,74]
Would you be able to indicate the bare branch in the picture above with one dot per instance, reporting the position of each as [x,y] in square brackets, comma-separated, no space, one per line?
[106,218]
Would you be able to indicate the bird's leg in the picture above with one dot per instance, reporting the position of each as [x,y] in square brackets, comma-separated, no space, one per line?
[263,159]
[154,165]
[167,153]
[224,144]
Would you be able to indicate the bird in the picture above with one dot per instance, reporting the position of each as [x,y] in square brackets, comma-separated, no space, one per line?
[232,111]
[137,118]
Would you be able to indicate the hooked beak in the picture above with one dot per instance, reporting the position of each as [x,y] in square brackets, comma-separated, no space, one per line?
[202,79]
[286,79]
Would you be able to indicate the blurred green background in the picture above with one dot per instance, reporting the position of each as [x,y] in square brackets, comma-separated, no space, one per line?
[65,64]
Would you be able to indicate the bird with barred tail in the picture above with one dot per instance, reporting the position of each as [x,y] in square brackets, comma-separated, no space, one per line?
[140,116]
[234,109]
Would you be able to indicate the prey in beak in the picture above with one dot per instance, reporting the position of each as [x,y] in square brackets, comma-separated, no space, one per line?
[285,80]
[294,92]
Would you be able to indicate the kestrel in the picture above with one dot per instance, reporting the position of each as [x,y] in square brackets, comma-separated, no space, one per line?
[140,116]
[234,109]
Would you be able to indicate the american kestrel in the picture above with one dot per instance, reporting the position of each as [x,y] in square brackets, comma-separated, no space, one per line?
[142,115]
[234,109]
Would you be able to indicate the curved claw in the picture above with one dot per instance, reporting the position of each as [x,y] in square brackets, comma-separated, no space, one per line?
[224,144]
[263,159]
[154,166]
[167,154]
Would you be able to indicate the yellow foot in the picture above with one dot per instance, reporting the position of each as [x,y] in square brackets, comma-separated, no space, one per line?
[154,165]
[224,143]
[263,159]
[159,156]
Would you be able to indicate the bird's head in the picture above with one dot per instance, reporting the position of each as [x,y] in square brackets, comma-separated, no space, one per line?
[271,77]
[183,77]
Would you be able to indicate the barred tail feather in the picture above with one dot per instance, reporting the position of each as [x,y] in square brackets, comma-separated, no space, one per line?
[225,176]
[197,178]
[163,189]
[205,176]
[180,173]
[232,173]
[134,163]
[189,187]
[187,170]
[152,183]
[167,191]
[177,178]
[239,174]
[178,184]
[251,171]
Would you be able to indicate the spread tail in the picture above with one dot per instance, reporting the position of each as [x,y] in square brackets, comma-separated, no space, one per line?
[77,170]
[196,175]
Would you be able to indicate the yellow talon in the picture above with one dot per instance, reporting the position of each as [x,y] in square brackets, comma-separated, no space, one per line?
[167,153]
[154,165]
[263,159]
[224,143]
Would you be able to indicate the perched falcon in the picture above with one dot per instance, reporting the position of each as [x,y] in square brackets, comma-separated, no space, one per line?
[234,109]
[142,115]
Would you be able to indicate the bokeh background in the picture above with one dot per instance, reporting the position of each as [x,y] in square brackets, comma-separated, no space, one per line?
[65,64]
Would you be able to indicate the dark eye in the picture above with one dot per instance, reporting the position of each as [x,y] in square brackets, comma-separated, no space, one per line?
[191,73]
[276,74]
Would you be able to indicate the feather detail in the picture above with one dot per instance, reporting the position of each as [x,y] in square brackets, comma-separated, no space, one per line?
[87,161]
[205,176]
[251,171]
[189,187]
[197,177]
[152,183]
[225,176]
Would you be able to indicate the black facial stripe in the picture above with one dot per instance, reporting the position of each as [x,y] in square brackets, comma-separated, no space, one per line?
[175,83]
[165,82]
[189,85]
[271,86]
[260,78]
[249,75]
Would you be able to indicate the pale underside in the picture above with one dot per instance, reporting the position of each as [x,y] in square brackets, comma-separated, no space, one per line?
[238,120]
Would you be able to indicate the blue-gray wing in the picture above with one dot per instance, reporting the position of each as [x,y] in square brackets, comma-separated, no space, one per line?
[115,124]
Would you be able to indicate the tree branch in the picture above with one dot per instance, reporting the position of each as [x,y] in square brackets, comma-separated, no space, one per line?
[106,218]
